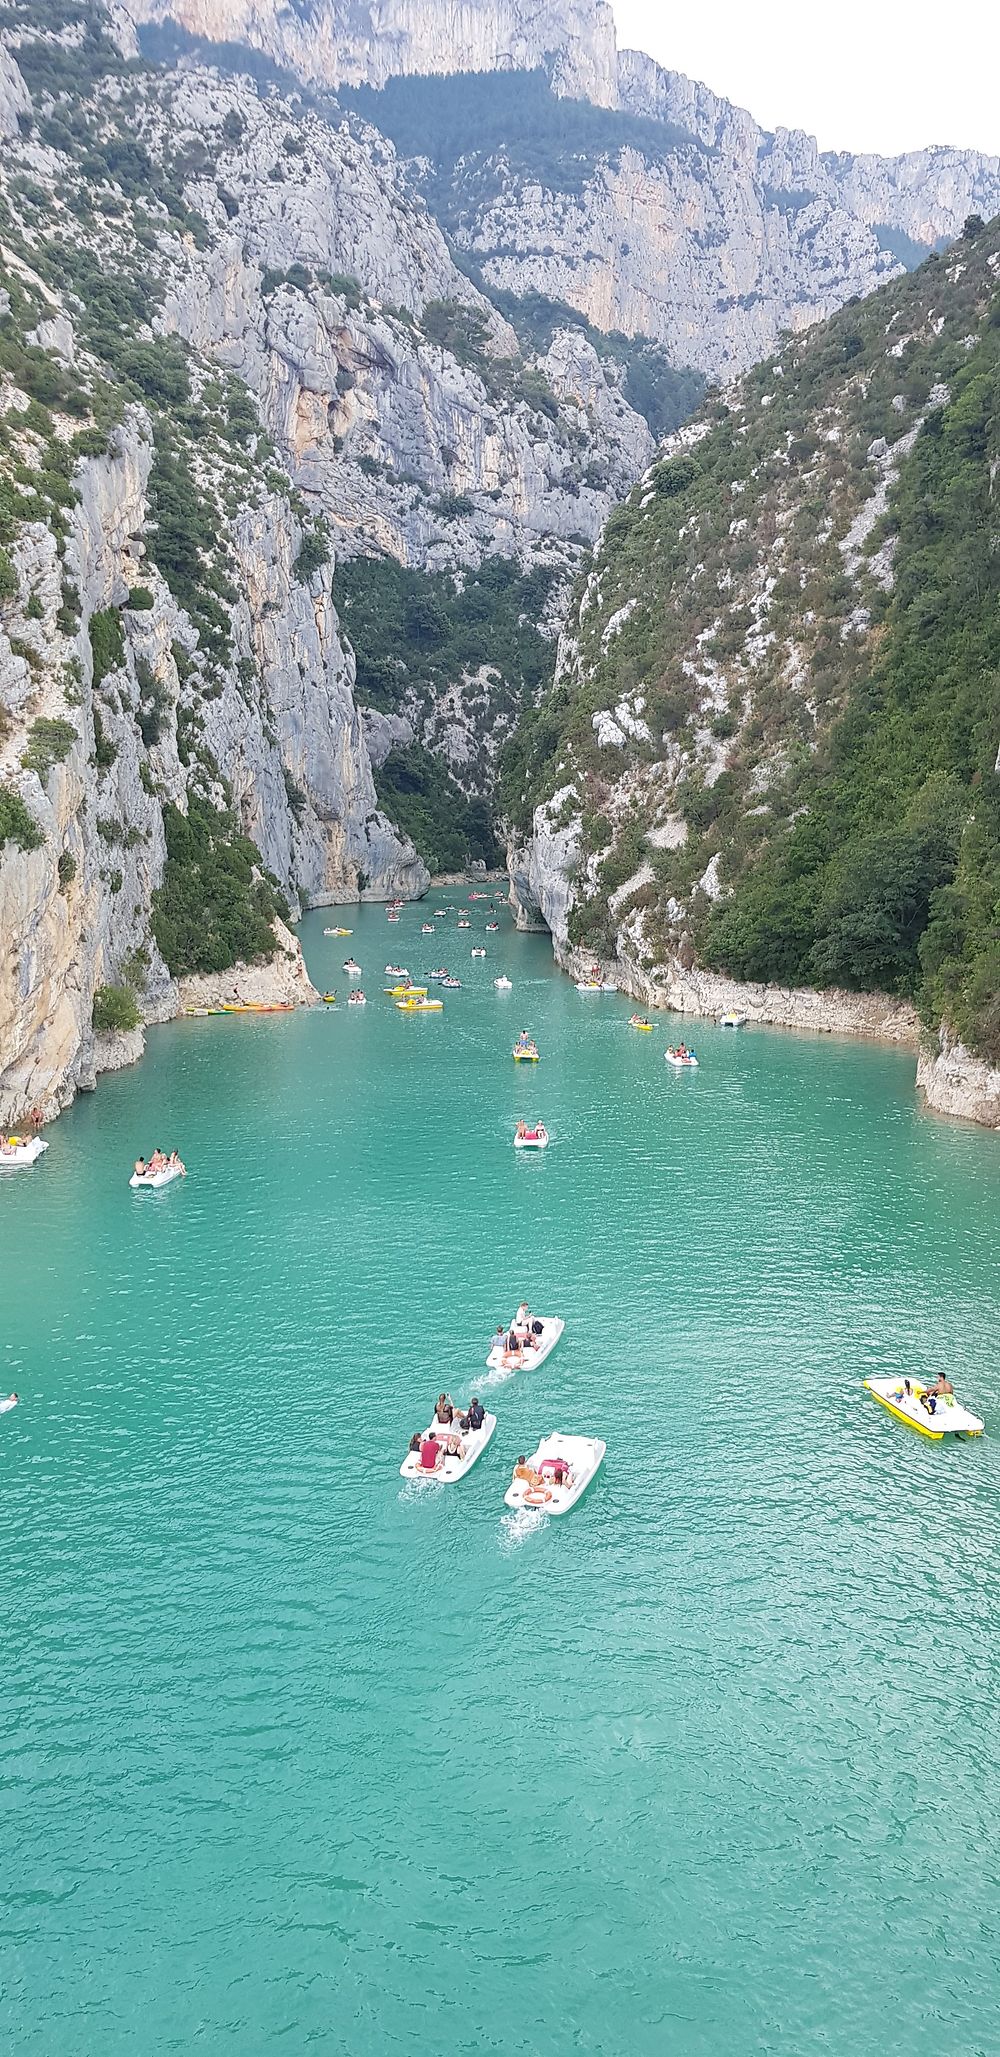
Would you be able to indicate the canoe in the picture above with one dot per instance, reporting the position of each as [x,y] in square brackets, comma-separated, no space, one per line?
[583,1456]
[533,1139]
[688,1063]
[948,1418]
[500,1359]
[329,999]
[451,1469]
[257,1006]
[645,1028]
[21,1151]
[338,932]
[152,1181]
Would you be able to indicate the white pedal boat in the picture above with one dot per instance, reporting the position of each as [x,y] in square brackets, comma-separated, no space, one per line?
[732,1020]
[352,967]
[477,953]
[689,1062]
[902,1397]
[502,985]
[582,1457]
[154,1180]
[588,986]
[450,1469]
[501,1359]
[536,1138]
[17,1153]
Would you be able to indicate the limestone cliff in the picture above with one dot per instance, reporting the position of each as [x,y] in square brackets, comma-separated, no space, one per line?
[679,219]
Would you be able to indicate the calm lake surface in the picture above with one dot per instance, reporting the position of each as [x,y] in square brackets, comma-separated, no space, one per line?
[297,1758]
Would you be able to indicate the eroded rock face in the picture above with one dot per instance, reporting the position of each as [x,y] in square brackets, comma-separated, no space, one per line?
[335,42]
[954,1082]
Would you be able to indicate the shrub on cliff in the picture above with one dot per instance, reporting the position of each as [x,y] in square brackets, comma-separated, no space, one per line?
[114,1010]
[215,906]
[16,824]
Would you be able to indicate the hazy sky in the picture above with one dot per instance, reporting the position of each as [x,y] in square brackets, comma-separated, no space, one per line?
[861,75]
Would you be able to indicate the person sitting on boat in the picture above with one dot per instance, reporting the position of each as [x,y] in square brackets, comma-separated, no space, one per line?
[942,1387]
[561,1474]
[140,1167]
[430,1453]
[454,1446]
[415,1442]
[522,1129]
[525,1471]
[444,1412]
[475,1417]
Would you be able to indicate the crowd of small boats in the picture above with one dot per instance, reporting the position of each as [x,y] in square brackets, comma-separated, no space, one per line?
[560,1468]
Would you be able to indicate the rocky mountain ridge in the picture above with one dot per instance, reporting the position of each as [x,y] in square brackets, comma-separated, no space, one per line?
[770,763]
[678,219]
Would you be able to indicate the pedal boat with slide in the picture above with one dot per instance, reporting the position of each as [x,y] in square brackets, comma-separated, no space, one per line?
[904,1398]
[580,1456]
[502,1359]
[19,1151]
[450,1469]
[536,1138]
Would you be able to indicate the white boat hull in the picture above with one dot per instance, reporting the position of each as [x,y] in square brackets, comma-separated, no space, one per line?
[583,1455]
[24,1154]
[948,1418]
[152,1181]
[681,1063]
[450,1469]
[732,1021]
[531,1142]
[528,1360]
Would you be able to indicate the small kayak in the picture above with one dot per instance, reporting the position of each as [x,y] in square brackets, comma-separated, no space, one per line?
[330,999]
[502,1359]
[152,1181]
[732,1021]
[503,985]
[536,1138]
[562,1468]
[909,1400]
[338,932]
[449,1470]
[18,1151]
[257,1007]
[686,1061]
[638,1021]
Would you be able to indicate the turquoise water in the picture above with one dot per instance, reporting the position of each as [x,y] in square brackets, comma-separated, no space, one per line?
[298,1758]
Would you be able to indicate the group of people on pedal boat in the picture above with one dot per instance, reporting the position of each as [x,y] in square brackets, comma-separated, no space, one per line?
[524,1334]
[927,1397]
[525,1042]
[553,1471]
[536,1134]
[444,1437]
[159,1161]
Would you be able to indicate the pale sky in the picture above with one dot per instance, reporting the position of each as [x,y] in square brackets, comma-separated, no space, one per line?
[860,74]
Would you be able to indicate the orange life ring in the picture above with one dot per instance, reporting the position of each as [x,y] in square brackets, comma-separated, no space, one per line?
[536,1497]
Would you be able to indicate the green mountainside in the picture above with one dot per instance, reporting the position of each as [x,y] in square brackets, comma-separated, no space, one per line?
[776,719]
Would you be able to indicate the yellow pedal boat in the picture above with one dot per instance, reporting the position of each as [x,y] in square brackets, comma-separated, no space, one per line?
[907,1399]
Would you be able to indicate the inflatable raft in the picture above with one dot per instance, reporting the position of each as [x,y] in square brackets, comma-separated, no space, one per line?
[564,1467]
[909,1401]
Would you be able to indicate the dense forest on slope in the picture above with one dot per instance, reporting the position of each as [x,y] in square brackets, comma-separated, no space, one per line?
[778,716]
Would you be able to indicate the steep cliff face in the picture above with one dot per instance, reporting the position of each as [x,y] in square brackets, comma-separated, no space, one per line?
[769,764]
[337,42]
[676,218]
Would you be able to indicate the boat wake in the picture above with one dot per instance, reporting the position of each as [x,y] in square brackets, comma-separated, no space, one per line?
[416,1489]
[516,1528]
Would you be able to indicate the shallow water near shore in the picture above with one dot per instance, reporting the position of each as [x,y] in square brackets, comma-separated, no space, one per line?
[298,1756]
